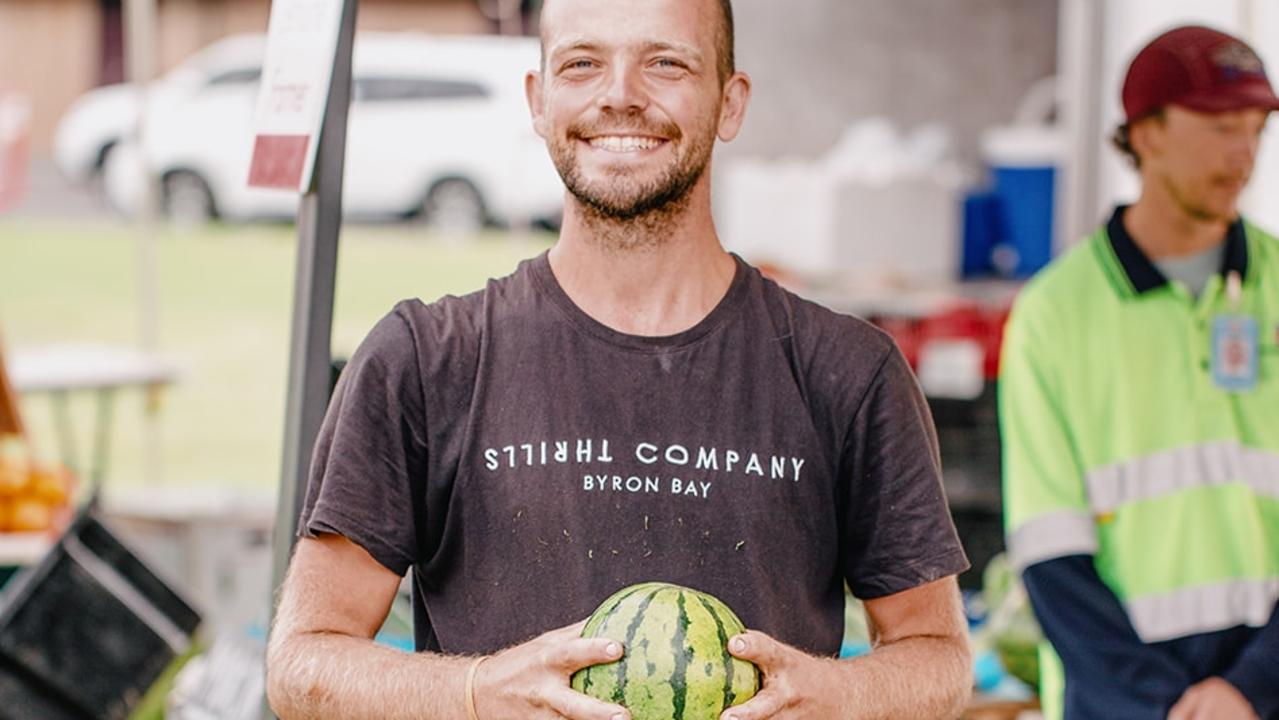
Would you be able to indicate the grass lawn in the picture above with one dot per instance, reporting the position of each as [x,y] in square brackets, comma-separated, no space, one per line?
[225,305]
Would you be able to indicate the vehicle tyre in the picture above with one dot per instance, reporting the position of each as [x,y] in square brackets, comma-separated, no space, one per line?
[186,199]
[453,206]
[96,172]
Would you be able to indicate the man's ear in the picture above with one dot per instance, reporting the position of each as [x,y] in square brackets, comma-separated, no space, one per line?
[536,106]
[1147,138]
[736,96]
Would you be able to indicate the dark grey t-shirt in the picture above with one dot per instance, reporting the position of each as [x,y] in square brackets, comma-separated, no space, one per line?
[528,461]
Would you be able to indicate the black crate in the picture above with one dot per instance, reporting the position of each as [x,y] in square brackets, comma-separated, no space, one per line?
[85,632]
[968,434]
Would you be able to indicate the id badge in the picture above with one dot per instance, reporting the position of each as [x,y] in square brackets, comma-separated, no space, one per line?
[1234,352]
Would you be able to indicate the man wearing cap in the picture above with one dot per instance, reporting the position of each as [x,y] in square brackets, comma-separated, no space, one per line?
[1139,405]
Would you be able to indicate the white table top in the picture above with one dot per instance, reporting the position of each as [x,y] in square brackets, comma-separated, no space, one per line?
[24,548]
[85,366]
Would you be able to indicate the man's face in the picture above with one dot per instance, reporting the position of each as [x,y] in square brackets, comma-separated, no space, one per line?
[1203,160]
[629,99]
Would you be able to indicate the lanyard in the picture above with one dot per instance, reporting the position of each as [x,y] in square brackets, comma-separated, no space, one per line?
[1234,290]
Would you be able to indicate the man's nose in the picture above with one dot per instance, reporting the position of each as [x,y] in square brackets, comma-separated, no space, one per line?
[624,90]
[1252,148]
[1245,147]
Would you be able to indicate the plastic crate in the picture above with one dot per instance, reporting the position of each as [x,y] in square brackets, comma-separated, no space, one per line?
[968,436]
[87,630]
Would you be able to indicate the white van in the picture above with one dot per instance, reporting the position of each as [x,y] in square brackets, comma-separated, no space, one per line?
[438,128]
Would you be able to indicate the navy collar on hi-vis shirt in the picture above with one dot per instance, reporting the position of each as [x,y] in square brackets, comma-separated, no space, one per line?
[1143,274]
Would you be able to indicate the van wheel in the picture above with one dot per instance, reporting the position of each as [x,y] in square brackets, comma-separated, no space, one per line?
[454,207]
[187,199]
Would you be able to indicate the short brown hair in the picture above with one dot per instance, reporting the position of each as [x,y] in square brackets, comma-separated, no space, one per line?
[727,59]
[1120,141]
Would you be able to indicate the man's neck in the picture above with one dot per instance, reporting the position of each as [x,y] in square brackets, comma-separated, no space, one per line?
[1163,229]
[656,275]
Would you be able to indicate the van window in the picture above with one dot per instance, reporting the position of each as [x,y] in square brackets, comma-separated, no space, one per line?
[393,89]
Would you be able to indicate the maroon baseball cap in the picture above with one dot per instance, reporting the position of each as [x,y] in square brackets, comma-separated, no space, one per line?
[1197,68]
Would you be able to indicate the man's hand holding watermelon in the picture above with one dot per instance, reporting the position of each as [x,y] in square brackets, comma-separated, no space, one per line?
[910,631]
[531,680]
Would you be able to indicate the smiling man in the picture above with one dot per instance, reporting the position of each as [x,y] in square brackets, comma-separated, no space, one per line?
[1139,408]
[634,405]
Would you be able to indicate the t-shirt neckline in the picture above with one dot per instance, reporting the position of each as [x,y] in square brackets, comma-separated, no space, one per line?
[547,283]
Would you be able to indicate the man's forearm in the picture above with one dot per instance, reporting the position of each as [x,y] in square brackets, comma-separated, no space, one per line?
[320,676]
[917,677]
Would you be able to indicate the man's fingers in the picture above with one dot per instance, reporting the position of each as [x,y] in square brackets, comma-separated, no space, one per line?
[765,704]
[576,706]
[573,655]
[566,651]
[758,648]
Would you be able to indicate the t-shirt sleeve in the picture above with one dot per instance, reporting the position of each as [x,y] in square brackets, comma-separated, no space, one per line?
[1045,504]
[898,522]
[371,451]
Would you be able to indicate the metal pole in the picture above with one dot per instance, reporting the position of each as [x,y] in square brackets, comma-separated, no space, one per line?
[512,20]
[140,33]
[1081,44]
[319,220]
[507,14]
[140,19]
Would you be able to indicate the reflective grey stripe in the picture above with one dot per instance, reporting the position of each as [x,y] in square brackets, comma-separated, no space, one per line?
[1183,468]
[1202,609]
[1058,534]
[115,583]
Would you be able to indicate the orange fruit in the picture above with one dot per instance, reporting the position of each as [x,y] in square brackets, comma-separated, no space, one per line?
[13,475]
[31,515]
[49,485]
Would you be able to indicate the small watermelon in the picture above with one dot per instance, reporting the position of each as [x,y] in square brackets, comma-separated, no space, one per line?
[676,664]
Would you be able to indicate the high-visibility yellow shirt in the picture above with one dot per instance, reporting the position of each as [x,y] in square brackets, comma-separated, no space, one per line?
[1119,442]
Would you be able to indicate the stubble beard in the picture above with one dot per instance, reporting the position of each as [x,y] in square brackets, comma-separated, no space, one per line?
[626,212]
[1198,209]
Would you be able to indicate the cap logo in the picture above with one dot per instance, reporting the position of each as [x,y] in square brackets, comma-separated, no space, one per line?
[1237,58]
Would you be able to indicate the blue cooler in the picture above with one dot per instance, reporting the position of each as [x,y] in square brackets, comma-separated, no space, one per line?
[1023,162]
[981,234]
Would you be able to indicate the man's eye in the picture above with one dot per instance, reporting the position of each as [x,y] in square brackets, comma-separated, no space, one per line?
[582,64]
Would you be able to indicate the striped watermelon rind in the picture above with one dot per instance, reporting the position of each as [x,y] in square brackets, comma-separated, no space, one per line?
[676,664]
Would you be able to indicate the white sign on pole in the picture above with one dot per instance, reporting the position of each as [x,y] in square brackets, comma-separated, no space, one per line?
[301,46]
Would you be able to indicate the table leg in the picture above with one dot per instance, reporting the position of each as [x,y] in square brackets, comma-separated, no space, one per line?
[102,438]
[65,430]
